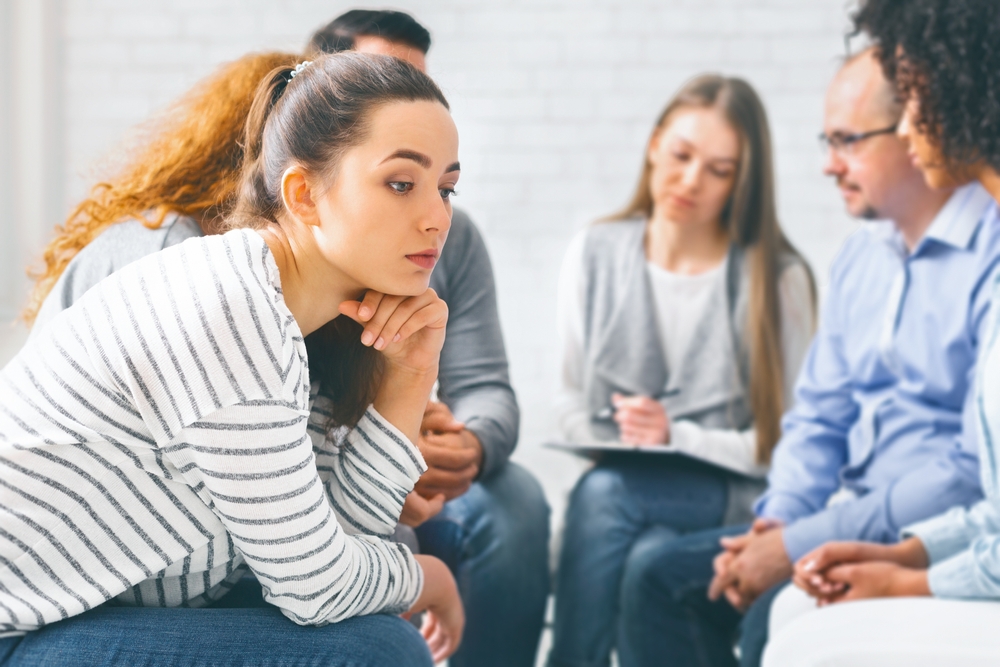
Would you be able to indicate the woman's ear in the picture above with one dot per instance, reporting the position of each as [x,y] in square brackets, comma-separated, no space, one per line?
[297,196]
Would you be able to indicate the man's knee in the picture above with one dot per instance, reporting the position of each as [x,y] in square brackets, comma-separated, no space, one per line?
[515,499]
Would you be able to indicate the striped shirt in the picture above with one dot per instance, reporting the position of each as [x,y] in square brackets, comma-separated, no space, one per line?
[156,440]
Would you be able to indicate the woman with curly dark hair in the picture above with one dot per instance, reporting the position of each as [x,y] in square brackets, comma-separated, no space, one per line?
[944,58]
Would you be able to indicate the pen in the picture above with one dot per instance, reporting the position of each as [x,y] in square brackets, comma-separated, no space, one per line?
[609,412]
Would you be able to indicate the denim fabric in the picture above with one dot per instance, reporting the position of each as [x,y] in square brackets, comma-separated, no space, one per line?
[160,637]
[495,540]
[665,610]
[621,512]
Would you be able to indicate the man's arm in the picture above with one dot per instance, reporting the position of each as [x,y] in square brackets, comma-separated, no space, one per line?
[473,376]
[813,447]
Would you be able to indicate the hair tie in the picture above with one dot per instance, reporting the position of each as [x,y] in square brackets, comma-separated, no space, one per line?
[298,68]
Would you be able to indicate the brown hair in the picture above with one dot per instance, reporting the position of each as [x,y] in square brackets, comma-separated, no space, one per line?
[309,116]
[750,218]
[190,165]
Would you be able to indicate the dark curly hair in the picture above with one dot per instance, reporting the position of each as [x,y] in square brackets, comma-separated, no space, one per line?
[946,54]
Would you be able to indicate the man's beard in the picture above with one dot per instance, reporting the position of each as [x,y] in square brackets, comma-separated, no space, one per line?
[869,213]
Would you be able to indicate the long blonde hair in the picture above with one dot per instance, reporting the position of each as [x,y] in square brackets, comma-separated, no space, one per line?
[189,165]
[750,218]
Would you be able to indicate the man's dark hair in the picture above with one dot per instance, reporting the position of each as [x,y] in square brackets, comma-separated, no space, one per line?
[338,35]
[946,54]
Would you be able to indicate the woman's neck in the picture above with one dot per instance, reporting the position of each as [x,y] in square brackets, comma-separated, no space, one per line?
[990,179]
[685,248]
[312,288]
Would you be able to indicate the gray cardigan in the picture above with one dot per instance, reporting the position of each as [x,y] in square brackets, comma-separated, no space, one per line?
[473,376]
[624,352]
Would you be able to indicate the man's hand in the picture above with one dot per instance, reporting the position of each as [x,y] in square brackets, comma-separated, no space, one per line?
[417,509]
[453,454]
[750,564]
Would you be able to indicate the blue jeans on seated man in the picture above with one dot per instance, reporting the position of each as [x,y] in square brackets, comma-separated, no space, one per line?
[495,540]
[261,635]
[666,610]
[620,512]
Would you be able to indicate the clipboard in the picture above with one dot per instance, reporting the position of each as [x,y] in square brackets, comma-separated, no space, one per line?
[591,448]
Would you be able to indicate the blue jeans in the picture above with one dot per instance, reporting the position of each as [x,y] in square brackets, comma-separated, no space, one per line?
[138,637]
[666,610]
[623,510]
[495,539]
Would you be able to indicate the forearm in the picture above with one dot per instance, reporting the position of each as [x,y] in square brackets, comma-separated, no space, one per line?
[367,494]
[402,398]
[491,413]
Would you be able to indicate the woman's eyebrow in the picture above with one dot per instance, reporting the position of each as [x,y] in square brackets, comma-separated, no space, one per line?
[407,154]
[420,159]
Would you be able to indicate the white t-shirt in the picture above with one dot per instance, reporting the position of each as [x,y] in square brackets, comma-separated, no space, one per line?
[680,301]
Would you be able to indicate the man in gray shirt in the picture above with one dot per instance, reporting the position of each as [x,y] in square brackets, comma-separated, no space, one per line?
[493,527]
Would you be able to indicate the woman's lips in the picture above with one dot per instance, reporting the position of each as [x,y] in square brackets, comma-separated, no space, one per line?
[682,202]
[425,260]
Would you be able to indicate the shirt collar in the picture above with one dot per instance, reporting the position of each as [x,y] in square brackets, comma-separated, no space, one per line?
[957,221]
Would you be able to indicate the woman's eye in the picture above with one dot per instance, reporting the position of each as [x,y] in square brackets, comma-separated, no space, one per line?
[401,187]
[447,193]
[721,173]
[680,156]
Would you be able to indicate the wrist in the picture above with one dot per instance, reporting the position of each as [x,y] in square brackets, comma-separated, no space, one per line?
[911,553]
[909,582]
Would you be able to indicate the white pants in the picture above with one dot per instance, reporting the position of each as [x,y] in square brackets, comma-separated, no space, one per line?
[908,632]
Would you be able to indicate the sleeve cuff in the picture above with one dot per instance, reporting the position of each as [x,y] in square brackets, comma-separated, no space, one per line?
[379,442]
[943,536]
[954,577]
[803,536]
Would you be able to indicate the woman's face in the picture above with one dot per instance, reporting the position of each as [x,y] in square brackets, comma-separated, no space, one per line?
[924,154]
[694,157]
[385,217]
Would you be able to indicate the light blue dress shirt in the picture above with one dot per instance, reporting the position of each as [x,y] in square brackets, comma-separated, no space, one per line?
[964,544]
[882,415]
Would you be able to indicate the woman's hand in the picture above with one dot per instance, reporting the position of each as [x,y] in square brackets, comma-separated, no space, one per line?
[876,579]
[445,617]
[641,420]
[417,509]
[812,571]
[408,330]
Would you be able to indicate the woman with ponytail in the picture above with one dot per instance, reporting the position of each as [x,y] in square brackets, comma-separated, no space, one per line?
[684,320]
[163,436]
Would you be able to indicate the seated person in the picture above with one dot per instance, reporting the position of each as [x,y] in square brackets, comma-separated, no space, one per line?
[942,56]
[684,320]
[875,439]
[157,439]
[493,528]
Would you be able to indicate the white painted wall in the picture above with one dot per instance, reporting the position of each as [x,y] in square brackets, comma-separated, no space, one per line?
[554,100]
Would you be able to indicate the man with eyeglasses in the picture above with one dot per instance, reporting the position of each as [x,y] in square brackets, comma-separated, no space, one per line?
[881,432]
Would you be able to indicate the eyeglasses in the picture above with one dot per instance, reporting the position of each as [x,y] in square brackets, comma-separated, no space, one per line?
[845,143]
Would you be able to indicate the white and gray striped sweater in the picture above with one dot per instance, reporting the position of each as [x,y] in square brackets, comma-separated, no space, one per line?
[156,439]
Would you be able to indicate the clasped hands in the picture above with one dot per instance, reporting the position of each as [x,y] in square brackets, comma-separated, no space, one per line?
[454,457]
[844,571]
[750,564]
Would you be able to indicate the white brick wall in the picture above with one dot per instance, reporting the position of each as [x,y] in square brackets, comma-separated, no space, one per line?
[554,100]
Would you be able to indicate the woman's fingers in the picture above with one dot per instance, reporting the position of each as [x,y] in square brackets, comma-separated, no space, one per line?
[369,305]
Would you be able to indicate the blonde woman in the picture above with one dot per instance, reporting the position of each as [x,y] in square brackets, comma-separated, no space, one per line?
[683,320]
